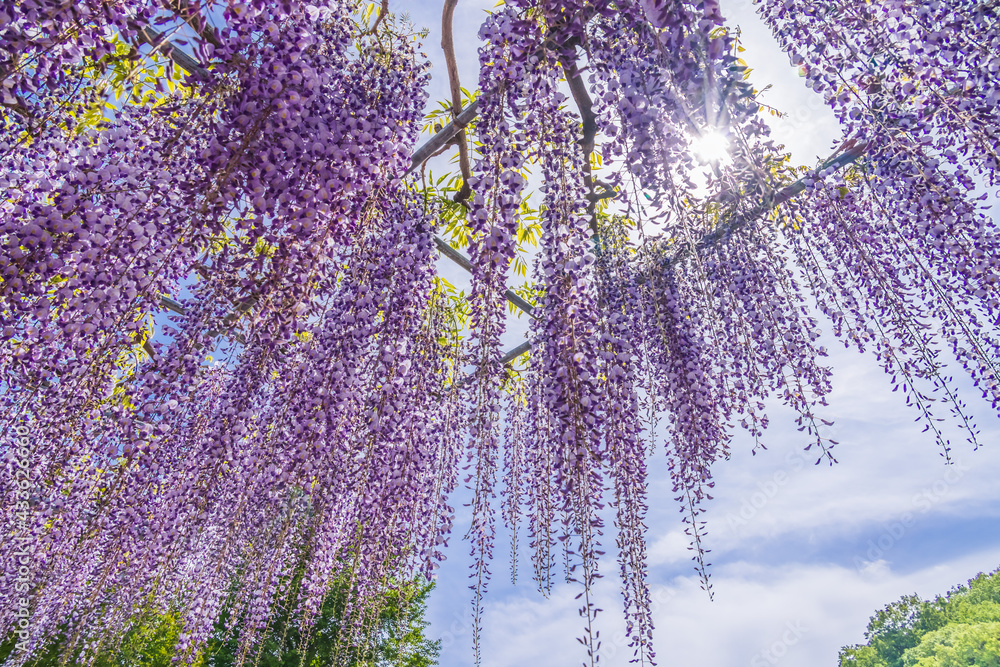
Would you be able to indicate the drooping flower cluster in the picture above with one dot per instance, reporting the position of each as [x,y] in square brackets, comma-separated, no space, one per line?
[619,359]
[304,413]
[312,437]
[493,220]
[567,340]
[44,45]
[895,69]
[722,321]
[916,84]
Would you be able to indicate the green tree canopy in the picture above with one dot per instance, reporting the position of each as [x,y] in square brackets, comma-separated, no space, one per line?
[394,638]
[960,628]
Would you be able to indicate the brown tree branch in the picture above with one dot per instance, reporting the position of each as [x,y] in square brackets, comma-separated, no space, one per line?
[191,15]
[156,40]
[20,110]
[586,107]
[447,134]
[382,13]
[448,46]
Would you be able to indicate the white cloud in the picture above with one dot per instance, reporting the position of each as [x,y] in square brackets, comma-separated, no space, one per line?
[770,599]
[874,522]
[793,615]
[669,549]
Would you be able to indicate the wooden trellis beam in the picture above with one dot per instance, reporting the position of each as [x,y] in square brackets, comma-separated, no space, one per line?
[191,14]
[172,305]
[448,134]
[443,136]
[515,353]
[464,262]
[159,44]
[851,154]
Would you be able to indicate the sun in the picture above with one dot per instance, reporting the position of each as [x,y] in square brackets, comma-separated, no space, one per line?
[711,147]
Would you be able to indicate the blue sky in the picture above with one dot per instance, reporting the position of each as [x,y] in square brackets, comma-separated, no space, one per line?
[802,555]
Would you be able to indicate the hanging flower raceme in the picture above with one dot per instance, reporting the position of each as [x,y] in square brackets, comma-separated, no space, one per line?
[497,184]
[97,227]
[887,71]
[234,480]
[901,66]
[383,432]
[851,248]
[685,389]
[661,83]
[624,442]
[767,341]
[566,340]
[45,46]
[684,315]
[921,136]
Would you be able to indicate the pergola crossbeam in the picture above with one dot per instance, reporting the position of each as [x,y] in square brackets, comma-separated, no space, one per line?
[443,136]
[447,134]
[848,156]
[464,262]
[159,44]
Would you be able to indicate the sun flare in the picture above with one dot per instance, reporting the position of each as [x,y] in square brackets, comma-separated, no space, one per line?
[711,147]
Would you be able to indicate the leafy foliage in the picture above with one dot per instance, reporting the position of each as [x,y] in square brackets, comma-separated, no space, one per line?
[394,639]
[152,643]
[954,630]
